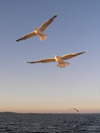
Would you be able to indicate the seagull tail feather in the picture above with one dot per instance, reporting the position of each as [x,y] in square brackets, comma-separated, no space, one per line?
[63,65]
[66,64]
[58,65]
[42,38]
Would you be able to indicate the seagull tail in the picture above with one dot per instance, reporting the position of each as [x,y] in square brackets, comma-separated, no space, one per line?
[58,65]
[63,65]
[66,64]
[42,38]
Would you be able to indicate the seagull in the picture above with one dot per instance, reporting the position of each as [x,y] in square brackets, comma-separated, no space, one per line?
[60,60]
[39,31]
[74,109]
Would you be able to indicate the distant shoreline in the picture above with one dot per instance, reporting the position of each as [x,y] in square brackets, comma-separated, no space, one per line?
[15,113]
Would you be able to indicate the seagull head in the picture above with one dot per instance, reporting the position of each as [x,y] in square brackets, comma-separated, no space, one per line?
[34,28]
[56,56]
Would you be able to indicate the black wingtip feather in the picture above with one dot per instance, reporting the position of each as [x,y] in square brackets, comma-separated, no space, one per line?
[55,15]
[17,40]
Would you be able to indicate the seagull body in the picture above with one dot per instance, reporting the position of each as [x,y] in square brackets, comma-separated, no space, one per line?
[60,60]
[39,31]
[40,34]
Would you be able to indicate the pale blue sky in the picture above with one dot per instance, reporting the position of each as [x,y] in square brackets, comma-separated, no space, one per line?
[45,87]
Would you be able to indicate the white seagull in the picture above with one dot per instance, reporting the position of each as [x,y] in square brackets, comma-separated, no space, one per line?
[74,109]
[39,31]
[60,60]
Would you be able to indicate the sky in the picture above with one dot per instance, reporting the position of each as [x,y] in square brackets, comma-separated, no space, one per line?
[45,88]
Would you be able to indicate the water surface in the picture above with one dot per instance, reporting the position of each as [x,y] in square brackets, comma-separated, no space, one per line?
[50,123]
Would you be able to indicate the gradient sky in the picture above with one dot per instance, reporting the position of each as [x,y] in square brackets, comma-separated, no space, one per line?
[45,88]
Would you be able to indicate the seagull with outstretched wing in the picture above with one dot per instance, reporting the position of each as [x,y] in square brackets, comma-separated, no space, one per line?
[74,109]
[60,60]
[39,31]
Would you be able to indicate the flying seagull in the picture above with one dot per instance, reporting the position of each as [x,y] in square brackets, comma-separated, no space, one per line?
[39,31]
[60,60]
[74,109]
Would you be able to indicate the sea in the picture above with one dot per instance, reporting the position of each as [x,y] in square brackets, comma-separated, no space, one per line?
[50,123]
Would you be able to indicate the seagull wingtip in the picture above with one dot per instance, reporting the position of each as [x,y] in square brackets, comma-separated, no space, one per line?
[55,15]
[25,62]
[86,51]
[17,40]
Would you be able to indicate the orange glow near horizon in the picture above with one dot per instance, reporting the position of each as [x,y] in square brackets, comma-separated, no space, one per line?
[48,110]
[42,106]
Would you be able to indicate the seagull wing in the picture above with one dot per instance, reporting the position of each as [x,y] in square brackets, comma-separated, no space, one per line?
[74,109]
[43,61]
[32,34]
[47,23]
[72,55]
[77,110]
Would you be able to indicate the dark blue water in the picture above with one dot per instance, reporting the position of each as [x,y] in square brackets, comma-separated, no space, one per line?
[50,123]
